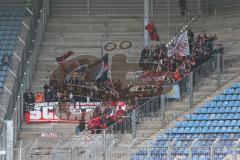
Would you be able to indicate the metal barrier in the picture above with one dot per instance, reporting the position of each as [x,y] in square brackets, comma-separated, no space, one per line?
[80,147]
[153,108]
[190,149]
[37,19]
[3,145]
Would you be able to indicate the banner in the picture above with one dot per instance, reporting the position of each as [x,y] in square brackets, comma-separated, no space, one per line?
[98,69]
[64,112]
[181,47]
[149,76]
[134,75]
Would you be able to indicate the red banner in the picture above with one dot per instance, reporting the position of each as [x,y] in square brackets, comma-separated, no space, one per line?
[66,112]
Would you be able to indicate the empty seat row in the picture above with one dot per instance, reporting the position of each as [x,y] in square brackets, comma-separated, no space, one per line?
[171,135]
[8,34]
[8,42]
[10,37]
[236,85]
[9,28]
[227,97]
[203,154]
[229,109]
[235,129]
[3,73]
[9,23]
[204,142]
[226,142]
[208,123]
[11,13]
[231,91]
[7,46]
[223,104]
[8,51]
[213,116]
[3,68]
[1,84]
[2,78]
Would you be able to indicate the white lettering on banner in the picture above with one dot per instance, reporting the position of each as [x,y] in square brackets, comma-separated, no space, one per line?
[49,112]
[49,135]
[46,113]
[41,111]
[36,114]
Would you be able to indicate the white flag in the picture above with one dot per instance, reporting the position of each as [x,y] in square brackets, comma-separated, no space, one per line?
[181,46]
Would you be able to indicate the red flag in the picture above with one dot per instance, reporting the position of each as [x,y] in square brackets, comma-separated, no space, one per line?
[152,31]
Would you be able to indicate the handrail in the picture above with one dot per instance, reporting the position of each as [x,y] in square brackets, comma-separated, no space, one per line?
[159,95]
[200,66]
[24,73]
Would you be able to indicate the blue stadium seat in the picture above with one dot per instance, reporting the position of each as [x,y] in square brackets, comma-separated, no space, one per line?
[225,103]
[234,97]
[219,118]
[210,110]
[231,103]
[207,104]
[213,104]
[228,91]
[237,91]
[229,97]
[235,85]
[237,104]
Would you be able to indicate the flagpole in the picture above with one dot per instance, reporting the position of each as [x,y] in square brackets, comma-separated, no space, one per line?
[146,22]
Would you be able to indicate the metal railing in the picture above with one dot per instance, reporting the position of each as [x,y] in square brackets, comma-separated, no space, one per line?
[190,149]
[36,16]
[172,149]
[126,127]
[150,109]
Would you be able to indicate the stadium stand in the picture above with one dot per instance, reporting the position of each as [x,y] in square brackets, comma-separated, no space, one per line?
[210,132]
[216,124]
[133,7]
[10,22]
[11,19]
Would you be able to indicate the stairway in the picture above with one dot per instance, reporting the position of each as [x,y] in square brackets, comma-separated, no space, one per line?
[206,88]
[222,7]
[12,3]
[120,7]
[85,35]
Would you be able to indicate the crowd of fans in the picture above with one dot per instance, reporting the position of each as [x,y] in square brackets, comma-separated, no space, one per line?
[104,118]
[156,59]
[155,62]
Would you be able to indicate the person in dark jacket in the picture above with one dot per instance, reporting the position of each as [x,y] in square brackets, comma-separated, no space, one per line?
[29,99]
[81,126]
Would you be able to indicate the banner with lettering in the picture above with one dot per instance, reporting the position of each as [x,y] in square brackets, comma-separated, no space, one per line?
[64,112]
